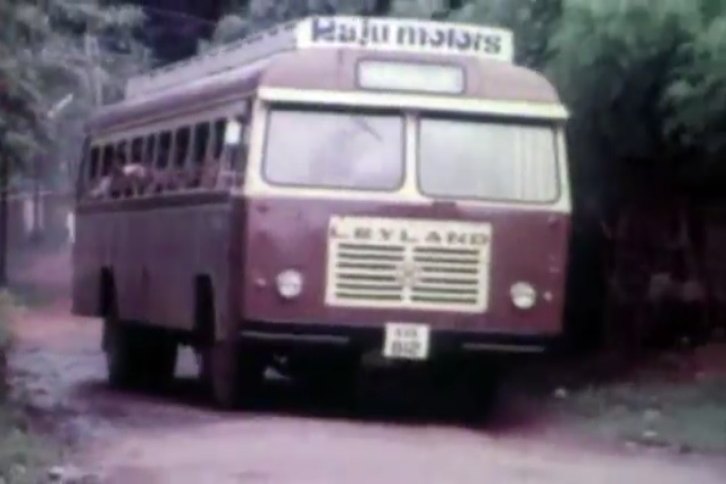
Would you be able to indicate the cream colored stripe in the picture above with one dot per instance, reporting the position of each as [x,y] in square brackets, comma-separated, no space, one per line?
[408,101]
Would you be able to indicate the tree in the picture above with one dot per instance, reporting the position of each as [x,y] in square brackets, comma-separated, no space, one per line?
[645,83]
[248,17]
[646,87]
[695,101]
[45,57]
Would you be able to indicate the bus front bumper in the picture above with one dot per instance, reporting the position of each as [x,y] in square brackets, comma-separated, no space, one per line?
[295,337]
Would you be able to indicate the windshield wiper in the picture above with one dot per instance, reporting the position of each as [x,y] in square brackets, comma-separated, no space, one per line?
[366,127]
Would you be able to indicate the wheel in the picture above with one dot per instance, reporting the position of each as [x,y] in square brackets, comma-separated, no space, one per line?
[159,352]
[137,356]
[469,385]
[333,376]
[120,344]
[231,372]
[482,384]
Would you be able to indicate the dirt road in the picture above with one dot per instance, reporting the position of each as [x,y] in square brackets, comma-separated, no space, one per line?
[289,437]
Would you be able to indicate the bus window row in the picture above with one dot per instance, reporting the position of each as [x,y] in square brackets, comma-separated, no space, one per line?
[188,157]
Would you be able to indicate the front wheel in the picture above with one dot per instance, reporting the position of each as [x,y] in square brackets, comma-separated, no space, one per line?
[334,375]
[469,387]
[230,372]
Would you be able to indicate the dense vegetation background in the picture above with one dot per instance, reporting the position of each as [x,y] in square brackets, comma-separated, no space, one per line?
[645,81]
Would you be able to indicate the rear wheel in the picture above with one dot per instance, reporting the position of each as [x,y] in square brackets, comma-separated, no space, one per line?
[138,356]
[120,346]
[160,358]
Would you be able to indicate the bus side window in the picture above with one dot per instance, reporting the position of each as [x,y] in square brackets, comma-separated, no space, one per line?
[201,151]
[183,137]
[117,179]
[121,154]
[219,127]
[137,151]
[212,167]
[244,145]
[162,153]
[201,144]
[108,159]
[93,168]
[102,172]
[134,176]
[150,147]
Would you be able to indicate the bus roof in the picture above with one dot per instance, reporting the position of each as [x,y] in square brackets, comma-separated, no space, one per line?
[364,33]
[335,67]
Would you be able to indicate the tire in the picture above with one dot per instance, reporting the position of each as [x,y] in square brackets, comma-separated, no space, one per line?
[337,377]
[138,357]
[160,355]
[231,373]
[482,386]
[120,345]
[470,387]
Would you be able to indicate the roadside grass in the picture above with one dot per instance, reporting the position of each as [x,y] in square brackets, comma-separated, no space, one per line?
[29,296]
[24,456]
[686,413]
[5,304]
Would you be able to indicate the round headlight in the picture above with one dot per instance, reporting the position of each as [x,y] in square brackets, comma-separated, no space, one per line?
[524,295]
[289,284]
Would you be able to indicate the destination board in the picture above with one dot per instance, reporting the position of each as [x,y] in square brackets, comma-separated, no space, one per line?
[369,33]
[406,36]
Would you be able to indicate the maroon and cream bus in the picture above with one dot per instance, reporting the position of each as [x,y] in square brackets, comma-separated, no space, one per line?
[330,189]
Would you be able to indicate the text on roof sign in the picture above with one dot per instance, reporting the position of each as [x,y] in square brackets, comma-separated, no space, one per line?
[407,35]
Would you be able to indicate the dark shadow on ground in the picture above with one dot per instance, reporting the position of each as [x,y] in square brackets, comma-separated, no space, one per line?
[391,397]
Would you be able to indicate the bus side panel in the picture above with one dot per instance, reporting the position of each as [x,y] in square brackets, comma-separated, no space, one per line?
[229,321]
[86,277]
[155,255]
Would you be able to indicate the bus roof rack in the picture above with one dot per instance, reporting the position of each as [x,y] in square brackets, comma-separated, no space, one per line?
[371,33]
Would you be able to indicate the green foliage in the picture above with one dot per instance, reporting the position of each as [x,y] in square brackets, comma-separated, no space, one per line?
[5,305]
[46,55]
[532,21]
[647,88]
[246,18]
[696,99]
[612,64]
[685,415]
[24,456]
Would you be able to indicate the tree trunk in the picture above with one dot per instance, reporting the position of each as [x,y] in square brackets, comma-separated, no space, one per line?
[4,179]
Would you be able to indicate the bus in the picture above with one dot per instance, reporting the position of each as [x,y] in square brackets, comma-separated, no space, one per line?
[330,190]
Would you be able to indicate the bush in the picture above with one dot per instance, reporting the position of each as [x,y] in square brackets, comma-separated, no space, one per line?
[25,455]
[4,341]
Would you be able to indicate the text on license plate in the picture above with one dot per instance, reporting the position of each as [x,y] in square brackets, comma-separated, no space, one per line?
[406,341]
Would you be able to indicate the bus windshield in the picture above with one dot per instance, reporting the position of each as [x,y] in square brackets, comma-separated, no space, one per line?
[474,159]
[335,149]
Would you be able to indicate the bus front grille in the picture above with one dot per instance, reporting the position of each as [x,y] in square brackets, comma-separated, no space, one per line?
[394,263]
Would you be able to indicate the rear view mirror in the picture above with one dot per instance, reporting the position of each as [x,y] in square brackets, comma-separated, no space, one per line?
[233,133]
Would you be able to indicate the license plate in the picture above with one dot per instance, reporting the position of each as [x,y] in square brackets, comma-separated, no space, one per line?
[406,341]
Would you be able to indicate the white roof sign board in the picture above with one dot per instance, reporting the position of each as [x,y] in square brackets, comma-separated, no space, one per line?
[367,33]
[406,36]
